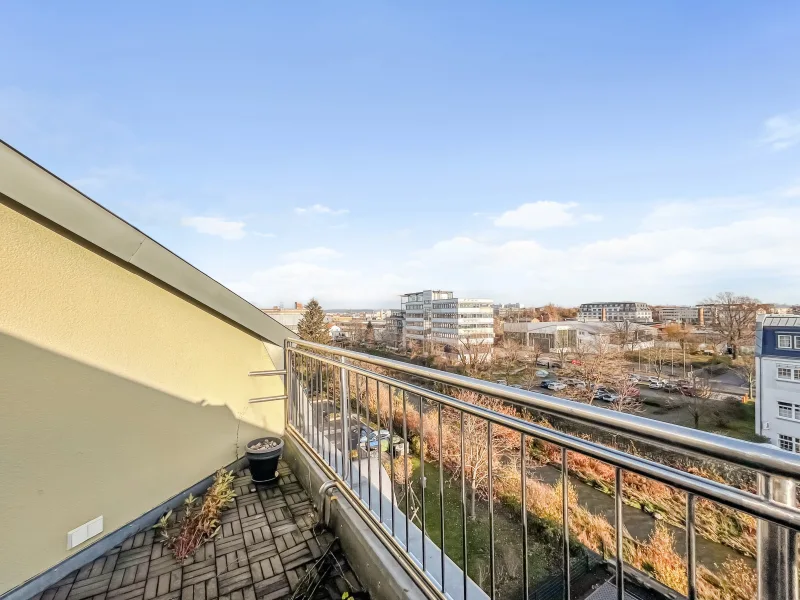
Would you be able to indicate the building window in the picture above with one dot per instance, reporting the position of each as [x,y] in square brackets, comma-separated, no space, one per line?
[785,341]
[789,372]
[786,442]
[785,410]
[797,342]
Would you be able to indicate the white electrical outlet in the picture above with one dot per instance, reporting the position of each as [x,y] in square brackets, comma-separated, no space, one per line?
[88,530]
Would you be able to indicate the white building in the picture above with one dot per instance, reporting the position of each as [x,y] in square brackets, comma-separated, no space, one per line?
[571,336]
[778,380]
[695,315]
[637,312]
[438,317]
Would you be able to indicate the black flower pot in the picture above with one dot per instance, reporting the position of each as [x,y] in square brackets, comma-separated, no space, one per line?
[264,461]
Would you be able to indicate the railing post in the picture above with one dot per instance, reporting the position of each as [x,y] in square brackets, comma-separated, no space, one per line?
[777,546]
[287,381]
[345,422]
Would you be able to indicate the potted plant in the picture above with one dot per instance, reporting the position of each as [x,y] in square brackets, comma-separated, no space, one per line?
[263,455]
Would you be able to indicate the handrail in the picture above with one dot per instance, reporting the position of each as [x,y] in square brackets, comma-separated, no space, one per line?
[762,457]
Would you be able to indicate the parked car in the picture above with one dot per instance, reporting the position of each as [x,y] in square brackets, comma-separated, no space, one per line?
[606,397]
[556,386]
[633,393]
[634,378]
[655,385]
[687,391]
[543,362]
[575,361]
[501,381]
[670,387]
[547,382]
[541,373]
[374,438]
[516,385]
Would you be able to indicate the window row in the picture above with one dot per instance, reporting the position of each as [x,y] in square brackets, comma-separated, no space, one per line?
[788,372]
[787,442]
[787,341]
[787,410]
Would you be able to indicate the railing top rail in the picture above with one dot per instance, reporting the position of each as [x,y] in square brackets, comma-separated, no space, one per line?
[761,457]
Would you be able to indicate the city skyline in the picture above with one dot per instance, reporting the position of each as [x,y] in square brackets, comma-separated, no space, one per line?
[523,153]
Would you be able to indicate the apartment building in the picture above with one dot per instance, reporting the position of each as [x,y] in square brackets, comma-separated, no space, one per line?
[637,312]
[438,317]
[288,317]
[778,380]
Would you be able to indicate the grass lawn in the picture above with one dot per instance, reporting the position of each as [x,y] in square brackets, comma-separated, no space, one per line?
[507,534]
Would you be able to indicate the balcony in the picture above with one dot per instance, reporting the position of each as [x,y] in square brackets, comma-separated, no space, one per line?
[128,377]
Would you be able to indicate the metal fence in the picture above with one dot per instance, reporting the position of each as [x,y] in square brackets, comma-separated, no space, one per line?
[326,399]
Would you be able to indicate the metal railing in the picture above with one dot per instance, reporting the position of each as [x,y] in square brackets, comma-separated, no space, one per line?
[327,395]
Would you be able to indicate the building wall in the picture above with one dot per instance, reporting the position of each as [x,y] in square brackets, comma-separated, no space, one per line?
[771,391]
[115,392]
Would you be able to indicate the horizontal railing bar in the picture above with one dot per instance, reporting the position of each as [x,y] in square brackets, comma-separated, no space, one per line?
[267,399]
[706,488]
[267,373]
[761,457]
[426,584]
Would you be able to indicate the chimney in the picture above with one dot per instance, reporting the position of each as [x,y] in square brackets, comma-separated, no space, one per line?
[298,305]
[701,316]
[603,314]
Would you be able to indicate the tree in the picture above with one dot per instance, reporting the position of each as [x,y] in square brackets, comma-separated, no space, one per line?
[473,353]
[746,368]
[697,404]
[312,324]
[505,443]
[370,333]
[735,318]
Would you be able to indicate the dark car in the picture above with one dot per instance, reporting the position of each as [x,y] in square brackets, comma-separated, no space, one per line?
[546,382]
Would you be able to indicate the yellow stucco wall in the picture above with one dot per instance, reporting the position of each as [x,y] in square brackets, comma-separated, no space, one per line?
[115,393]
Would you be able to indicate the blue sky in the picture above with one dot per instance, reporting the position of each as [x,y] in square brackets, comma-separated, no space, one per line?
[524,151]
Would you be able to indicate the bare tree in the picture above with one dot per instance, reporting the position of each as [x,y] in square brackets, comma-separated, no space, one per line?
[735,318]
[623,334]
[697,398]
[658,357]
[746,367]
[504,442]
[473,354]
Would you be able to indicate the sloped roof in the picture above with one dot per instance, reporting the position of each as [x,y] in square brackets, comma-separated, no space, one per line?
[37,189]
[782,321]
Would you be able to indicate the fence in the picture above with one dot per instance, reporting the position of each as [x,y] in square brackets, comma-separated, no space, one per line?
[323,380]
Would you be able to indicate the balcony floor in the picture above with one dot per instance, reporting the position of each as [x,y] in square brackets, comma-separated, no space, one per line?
[269,541]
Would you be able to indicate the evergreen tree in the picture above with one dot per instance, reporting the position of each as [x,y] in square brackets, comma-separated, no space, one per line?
[312,324]
[370,332]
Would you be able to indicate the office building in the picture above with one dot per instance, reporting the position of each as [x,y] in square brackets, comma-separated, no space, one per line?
[288,317]
[637,312]
[693,315]
[574,336]
[437,317]
[778,380]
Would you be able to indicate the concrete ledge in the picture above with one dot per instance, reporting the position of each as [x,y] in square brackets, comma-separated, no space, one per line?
[53,575]
[382,575]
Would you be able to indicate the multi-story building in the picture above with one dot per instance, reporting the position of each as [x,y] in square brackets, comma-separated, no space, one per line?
[694,315]
[288,317]
[778,380]
[637,312]
[394,328]
[438,317]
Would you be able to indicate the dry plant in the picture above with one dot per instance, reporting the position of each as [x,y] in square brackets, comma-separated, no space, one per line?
[198,525]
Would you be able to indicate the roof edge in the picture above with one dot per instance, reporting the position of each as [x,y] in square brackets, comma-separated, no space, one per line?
[41,191]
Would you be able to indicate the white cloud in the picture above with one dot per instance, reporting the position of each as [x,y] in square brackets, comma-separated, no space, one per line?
[782,131]
[540,215]
[312,254]
[320,209]
[227,230]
